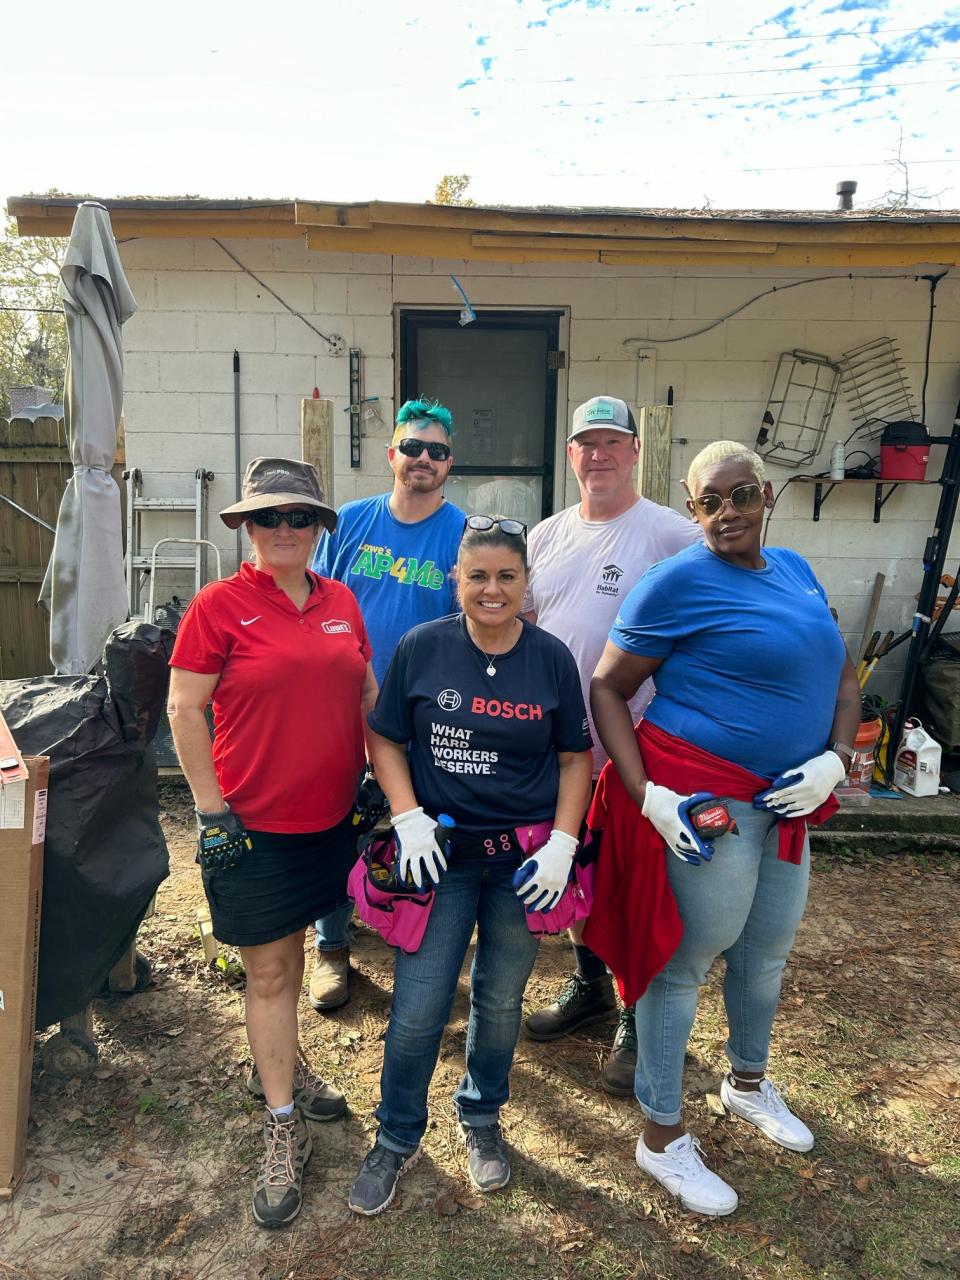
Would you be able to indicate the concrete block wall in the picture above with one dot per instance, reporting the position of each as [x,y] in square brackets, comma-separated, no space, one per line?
[196,306]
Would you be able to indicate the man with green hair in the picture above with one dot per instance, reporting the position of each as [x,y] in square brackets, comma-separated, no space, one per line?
[396,553]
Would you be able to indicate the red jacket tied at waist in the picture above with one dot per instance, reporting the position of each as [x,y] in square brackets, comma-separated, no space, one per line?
[635,926]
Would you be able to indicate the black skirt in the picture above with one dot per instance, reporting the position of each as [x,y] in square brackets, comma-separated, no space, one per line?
[286,881]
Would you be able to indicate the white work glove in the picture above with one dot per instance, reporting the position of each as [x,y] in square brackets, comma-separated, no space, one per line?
[541,879]
[667,810]
[418,854]
[799,791]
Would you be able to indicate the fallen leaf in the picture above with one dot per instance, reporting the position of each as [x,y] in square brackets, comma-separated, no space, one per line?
[446,1205]
[916,1158]
[468,1199]
[862,1184]
[953,1089]
[714,1105]
[53,1179]
[806,1171]
[777,1252]
[571,1244]
[688,1248]
[173,1032]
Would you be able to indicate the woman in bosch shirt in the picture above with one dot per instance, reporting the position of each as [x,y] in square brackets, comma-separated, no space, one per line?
[283,656]
[481,717]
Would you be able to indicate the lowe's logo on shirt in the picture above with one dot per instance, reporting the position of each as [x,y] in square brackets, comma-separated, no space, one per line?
[374,562]
[337,627]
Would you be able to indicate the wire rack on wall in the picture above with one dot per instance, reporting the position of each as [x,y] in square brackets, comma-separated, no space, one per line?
[876,386]
[799,407]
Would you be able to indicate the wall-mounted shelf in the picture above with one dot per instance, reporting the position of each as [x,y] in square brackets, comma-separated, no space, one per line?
[878,486]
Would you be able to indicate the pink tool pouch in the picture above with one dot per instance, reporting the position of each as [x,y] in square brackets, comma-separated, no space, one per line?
[577,900]
[399,915]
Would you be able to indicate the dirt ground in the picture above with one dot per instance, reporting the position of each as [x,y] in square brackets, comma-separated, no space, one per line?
[142,1168]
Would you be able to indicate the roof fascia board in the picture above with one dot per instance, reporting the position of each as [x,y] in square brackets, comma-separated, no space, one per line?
[913,256]
[493,240]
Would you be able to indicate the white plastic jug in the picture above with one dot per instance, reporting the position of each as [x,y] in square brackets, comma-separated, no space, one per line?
[916,769]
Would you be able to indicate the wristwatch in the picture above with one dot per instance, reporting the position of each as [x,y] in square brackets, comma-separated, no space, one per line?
[839,747]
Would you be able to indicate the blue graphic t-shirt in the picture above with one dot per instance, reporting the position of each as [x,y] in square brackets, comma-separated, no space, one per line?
[483,748]
[751,657]
[400,573]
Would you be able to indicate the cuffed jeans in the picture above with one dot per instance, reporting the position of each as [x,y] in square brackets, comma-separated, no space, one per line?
[744,905]
[333,929]
[471,892]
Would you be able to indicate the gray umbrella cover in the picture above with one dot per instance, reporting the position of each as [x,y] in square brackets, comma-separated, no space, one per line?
[84,581]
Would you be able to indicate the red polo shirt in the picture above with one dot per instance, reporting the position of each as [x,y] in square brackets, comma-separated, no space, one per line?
[288,737]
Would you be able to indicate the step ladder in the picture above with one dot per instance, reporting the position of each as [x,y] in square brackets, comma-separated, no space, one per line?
[143,564]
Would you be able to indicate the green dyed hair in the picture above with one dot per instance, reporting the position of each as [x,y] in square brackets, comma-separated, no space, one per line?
[420,414]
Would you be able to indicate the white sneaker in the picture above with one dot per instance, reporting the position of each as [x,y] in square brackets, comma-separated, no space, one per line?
[768,1111]
[680,1169]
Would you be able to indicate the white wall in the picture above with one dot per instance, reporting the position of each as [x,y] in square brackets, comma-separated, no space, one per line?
[196,306]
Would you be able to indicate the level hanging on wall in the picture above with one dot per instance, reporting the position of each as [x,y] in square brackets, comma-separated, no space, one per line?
[356,405]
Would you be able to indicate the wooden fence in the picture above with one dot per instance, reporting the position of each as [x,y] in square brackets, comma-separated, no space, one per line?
[34,470]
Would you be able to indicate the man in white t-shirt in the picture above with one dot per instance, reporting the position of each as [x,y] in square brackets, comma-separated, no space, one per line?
[583,561]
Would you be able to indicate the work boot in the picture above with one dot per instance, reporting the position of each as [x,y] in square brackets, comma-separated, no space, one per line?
[580,1002]
[621,1066]
[316,1099]
[376,1182]
[330,980]
[277,1194]
[487,1161]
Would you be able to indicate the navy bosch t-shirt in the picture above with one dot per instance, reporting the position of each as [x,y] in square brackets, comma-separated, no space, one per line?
[483,748]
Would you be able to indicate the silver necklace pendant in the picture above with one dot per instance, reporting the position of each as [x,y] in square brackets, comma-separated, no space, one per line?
[491,670]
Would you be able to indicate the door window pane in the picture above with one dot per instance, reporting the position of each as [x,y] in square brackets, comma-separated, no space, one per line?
[520,497]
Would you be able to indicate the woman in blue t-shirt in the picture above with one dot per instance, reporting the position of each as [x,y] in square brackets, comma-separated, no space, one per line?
[755,697]
[481,717]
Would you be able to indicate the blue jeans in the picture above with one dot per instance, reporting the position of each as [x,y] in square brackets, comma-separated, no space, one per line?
[744,905]
[333,929]
[471,892]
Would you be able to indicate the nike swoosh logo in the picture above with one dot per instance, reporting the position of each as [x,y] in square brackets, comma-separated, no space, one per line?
[245,622]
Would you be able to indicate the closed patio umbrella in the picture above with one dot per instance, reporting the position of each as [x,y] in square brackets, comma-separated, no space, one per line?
[84,585]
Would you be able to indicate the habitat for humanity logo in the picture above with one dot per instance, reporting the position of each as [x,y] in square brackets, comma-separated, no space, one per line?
[609,584]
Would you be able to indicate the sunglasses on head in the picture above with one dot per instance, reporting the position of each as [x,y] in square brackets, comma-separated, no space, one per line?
[515,528]
[411,447]
[271,518]
[745,498]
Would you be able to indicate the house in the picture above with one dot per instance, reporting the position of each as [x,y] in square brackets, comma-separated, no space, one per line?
[649,305]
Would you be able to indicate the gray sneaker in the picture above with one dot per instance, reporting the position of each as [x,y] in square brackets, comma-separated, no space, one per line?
[315,1098]
[277,1193]
[487,1162]
[376,1182]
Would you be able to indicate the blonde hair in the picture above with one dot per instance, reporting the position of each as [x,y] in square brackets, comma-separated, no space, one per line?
[725,451]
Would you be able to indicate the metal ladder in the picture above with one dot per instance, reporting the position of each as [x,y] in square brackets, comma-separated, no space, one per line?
[142,565]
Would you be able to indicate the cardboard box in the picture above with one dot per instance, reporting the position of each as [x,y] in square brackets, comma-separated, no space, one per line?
[23,819]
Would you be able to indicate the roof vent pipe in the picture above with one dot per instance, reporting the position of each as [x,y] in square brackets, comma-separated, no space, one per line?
[846,191]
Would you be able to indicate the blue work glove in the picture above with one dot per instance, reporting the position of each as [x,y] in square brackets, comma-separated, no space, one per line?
[541,879]
[222,839]
[418,855]
[668,810]
[799,791]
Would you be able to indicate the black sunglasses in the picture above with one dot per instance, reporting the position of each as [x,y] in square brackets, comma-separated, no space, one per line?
[745,498]
[271,518]
[411,447]
[515,528]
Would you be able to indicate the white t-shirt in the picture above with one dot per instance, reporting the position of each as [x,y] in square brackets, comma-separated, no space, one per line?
[581,570]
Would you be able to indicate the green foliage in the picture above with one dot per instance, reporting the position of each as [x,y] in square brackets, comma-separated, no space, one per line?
[33,341]
[452,189]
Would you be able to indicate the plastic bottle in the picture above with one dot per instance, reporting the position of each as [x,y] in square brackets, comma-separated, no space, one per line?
[916,768]
[838,461]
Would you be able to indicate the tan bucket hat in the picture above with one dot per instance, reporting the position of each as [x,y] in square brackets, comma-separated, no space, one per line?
[273,482]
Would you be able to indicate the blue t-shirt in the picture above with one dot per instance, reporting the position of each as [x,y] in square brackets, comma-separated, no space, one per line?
[751,657]
[400,573]
[483,748]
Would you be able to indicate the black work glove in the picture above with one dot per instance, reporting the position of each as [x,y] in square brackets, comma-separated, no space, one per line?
[221,839]
[370,804]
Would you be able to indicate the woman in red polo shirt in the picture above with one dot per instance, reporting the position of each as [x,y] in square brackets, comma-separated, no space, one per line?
[283,655]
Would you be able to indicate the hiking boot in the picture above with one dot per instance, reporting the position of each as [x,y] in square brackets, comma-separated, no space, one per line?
[277,1195]
[680,1169]
[487,1162]
[621,1065]
[316,1099]
[768,1111]
[580,1002]
[376,1182]
[330,980]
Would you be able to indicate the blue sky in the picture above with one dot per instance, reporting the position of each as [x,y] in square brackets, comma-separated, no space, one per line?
[582,102]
